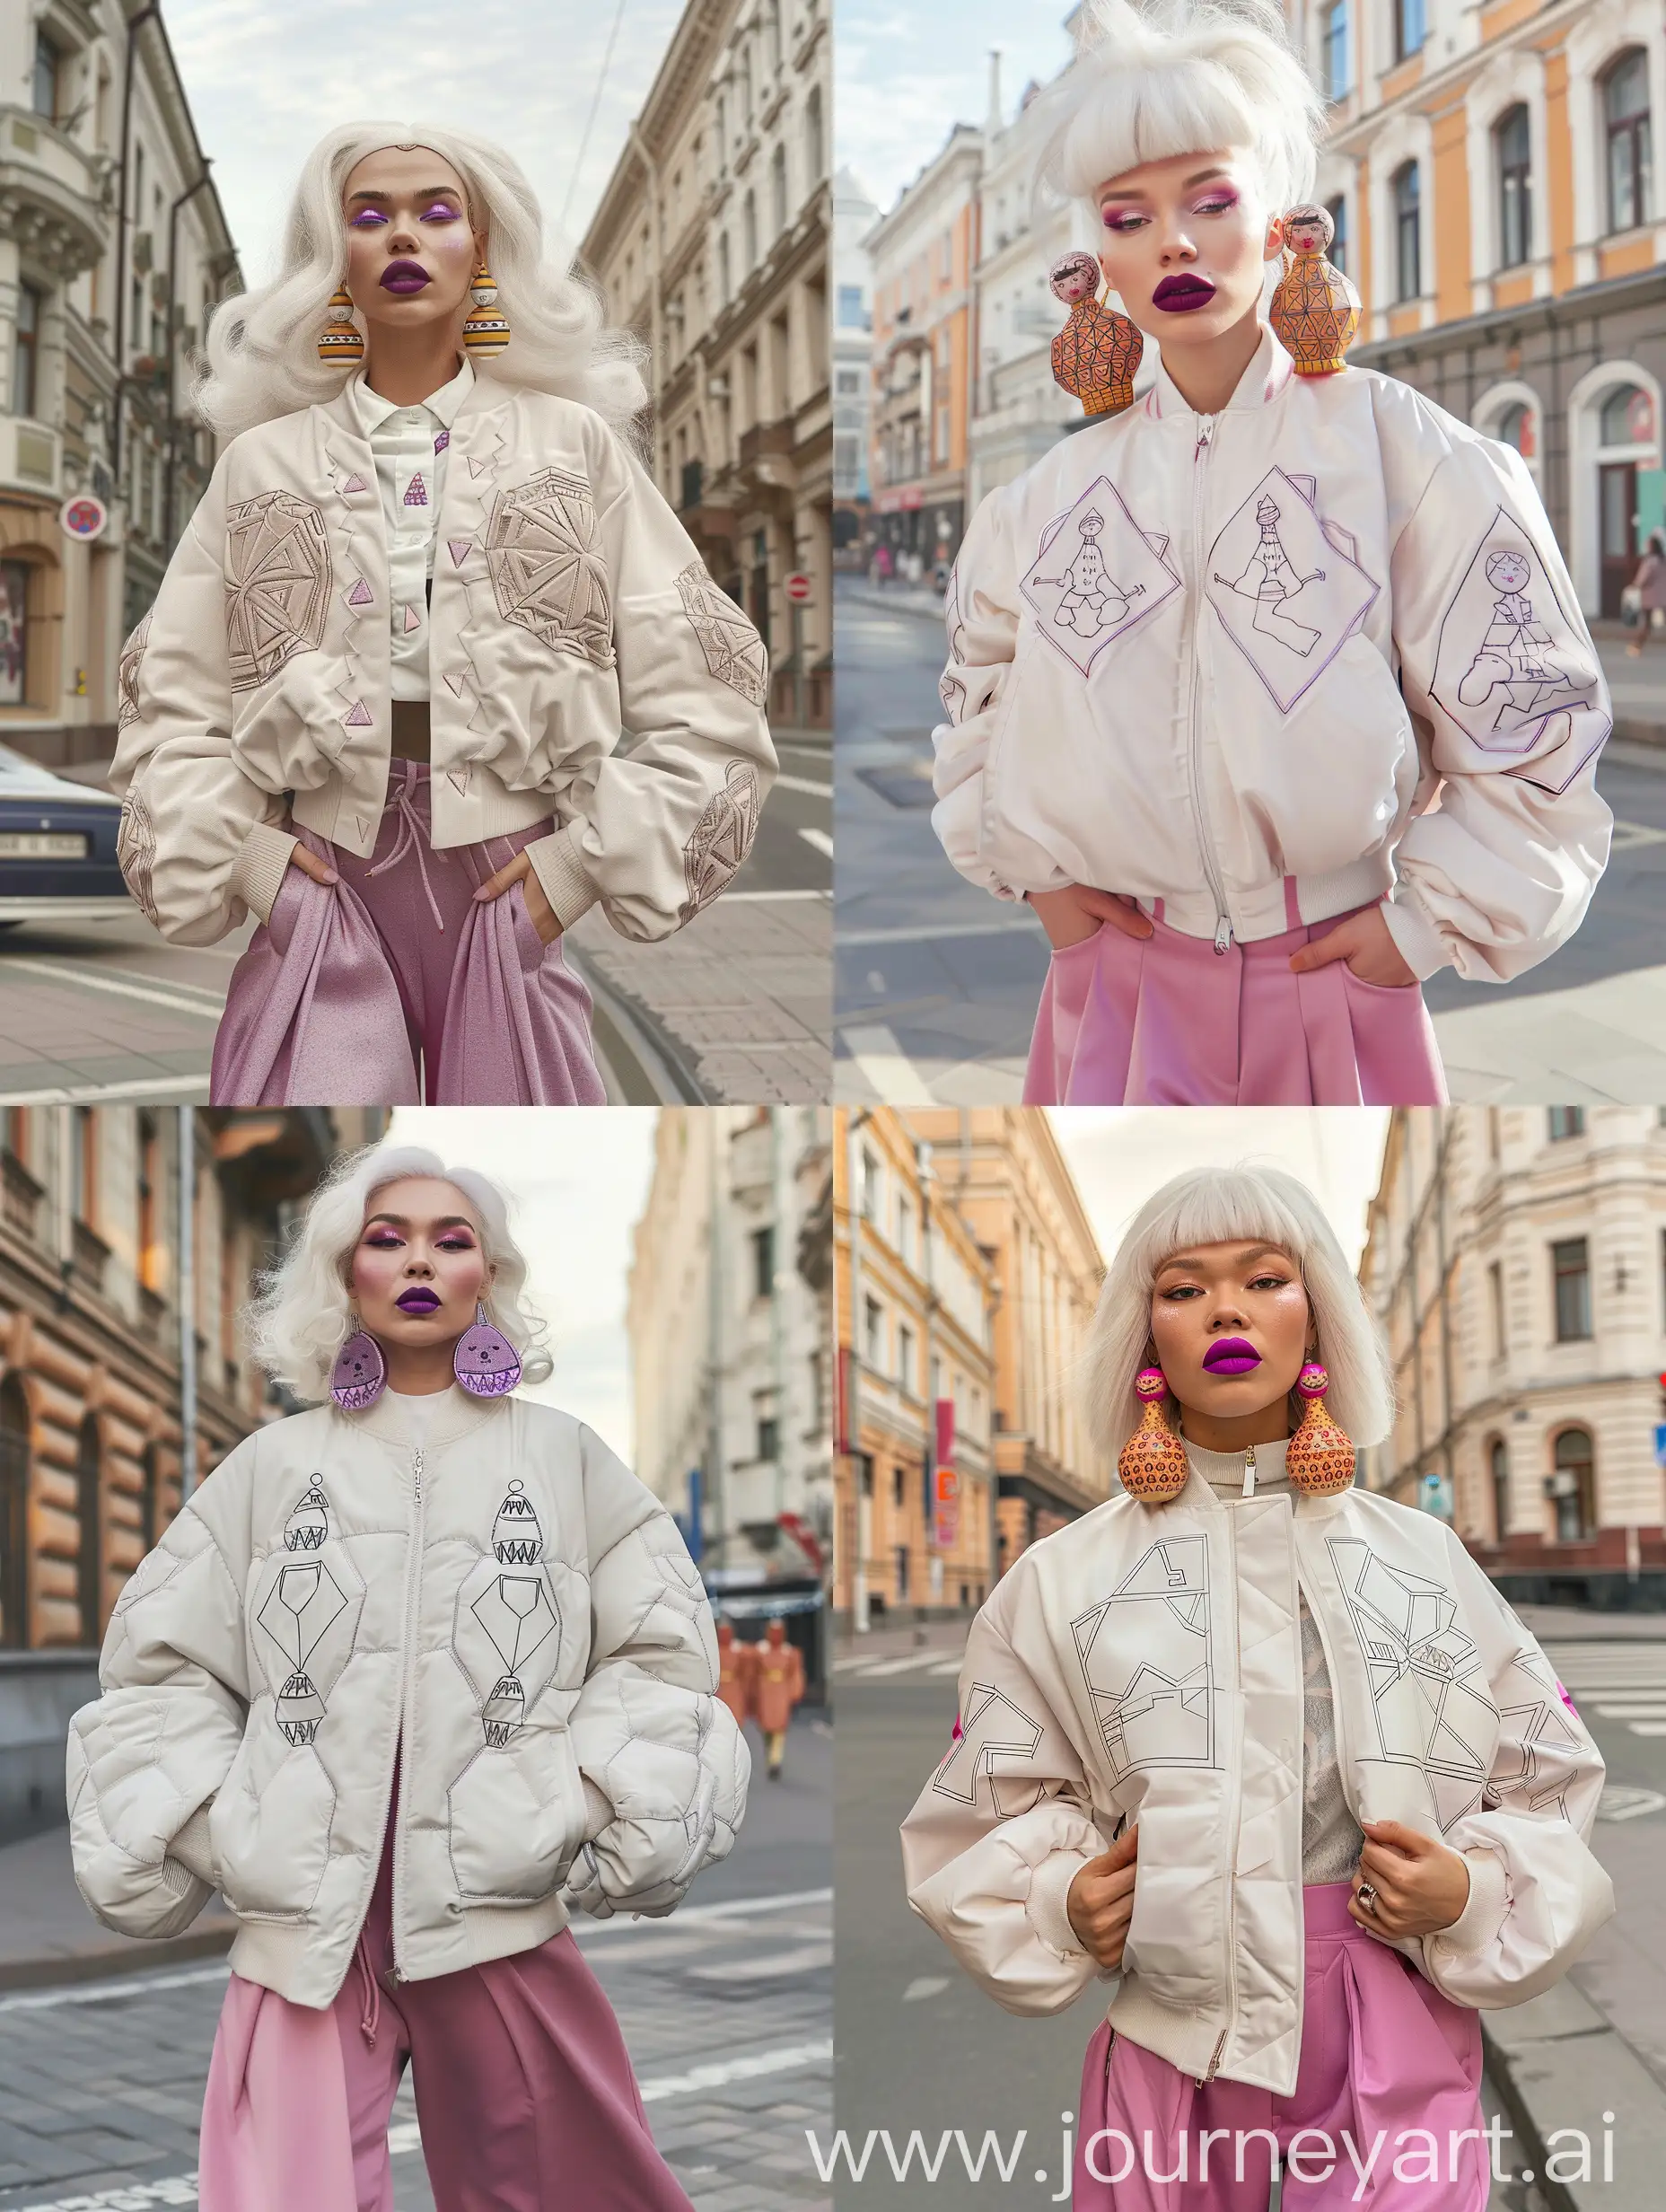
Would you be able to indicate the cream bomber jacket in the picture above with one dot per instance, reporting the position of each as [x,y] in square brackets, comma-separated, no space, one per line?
[568,606]
[505,1599]
[1270,664]
[1144,1665]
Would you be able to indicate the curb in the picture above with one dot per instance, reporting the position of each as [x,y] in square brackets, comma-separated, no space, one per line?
[135,1955]
[630,1037]
[1558,2065]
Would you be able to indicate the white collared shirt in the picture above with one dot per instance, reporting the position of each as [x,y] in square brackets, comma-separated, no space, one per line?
[409,445]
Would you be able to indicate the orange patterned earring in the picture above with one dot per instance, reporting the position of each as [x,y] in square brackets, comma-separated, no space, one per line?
[339,339]
[1152,1463]
[1319,1459]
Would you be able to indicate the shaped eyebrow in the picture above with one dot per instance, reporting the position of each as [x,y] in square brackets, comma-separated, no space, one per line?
[432,191]
[1134,191]
[1244,1257]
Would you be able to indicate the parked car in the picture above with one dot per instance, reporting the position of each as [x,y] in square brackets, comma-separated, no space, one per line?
[57,847]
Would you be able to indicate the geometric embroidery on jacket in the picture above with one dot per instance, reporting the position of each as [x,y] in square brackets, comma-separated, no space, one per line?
[992,1729]
[1146,1657]
[1538,1740]
[1095,574]
[547,574]
[127,673]
[276,583]
[518,1615]
[721,839]
[296,1611]
[1286,586]
[1431,1702]
[734,652]
[136,851]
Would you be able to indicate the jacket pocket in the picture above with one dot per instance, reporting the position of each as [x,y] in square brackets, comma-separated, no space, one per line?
[517,1818]
[270,1825]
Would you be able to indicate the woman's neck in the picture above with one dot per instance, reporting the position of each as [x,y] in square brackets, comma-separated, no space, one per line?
[1209,1433]
[1206,376]
[412,368]
[420,1374]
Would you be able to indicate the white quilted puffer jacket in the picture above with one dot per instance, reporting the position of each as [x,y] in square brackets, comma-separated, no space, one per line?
[504,1601]
[1144,1665]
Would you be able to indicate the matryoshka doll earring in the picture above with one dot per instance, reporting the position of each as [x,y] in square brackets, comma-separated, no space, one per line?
[1096,353]
[484,1363]
[1153,1464]
[1315,311]
[1320,1456]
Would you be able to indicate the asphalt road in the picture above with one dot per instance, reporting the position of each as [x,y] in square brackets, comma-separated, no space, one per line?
[108,1010]
[919,2047]
[726,2008]
[936,982]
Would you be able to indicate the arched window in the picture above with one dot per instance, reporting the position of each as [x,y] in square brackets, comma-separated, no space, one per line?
[1408,245]
[14,1462]
[1627,417]
[1513,151]
[1498,1468]
[1626,119]
[1574,1485]
[777,189]
[1338,210]
[89,1558]
[815,152]
[1516,427]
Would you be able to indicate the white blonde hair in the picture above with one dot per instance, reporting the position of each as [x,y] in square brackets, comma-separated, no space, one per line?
[1217,1206]
[260,350]
[300,1318]
[1180,76]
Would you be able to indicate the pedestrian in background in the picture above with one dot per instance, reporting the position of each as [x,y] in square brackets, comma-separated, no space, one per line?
[1650,585]
[737,1672]
[779,1685]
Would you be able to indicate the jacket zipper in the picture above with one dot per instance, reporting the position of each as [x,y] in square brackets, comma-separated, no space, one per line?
[413,1578]
[1205,838]
[1231,1825]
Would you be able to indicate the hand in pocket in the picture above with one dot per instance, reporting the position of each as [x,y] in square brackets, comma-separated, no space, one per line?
[1073,915]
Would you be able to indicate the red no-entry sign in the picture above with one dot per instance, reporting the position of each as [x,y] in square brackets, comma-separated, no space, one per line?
[798,588]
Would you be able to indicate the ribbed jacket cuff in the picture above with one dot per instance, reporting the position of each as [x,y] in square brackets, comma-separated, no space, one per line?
[1484,1914]
[1418,942]
[258,872]
[1044,1907]
[192,1848]
[561,873]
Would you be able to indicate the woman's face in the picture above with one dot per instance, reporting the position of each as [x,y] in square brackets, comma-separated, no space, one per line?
[1232,1326]
[1184,242]
[411,251]
[419,1265]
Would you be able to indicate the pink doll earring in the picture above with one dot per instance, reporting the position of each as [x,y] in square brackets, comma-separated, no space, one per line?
[339,339]
[484,1363]
[1315,311]
[360,1371]
[1319,1459]
[1152,1463]
[1096,353]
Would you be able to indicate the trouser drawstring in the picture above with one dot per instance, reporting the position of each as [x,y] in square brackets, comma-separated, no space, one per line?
[410,834]
[373,1993]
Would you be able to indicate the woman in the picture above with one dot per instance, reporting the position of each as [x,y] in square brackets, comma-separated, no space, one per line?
[378,700]
[410,1677]
[1650,585]
[1266,1752]
[1212,768]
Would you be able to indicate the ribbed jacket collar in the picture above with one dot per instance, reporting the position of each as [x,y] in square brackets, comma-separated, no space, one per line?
[454,1416]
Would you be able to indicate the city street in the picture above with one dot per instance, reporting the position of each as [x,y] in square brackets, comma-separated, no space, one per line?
[921,2048]
[735,1006]
[726,2007]
[938,982]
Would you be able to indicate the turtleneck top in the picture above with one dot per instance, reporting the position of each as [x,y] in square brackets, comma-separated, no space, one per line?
[1330,1838]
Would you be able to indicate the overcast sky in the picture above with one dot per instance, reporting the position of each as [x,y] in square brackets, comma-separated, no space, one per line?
[577,1183]
[265,82]
[902,80]
[1121,1155]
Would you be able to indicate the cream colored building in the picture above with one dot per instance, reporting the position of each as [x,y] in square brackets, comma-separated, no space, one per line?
[111,260]
[712,240]
[1516,1257]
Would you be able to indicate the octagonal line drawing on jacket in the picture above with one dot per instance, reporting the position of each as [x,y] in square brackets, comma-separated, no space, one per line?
[1432,1704]
[277,577]
[519,1616]
[545,568]
[1095,574]
[992,1728]
[301,1605]
[1146,1659]
[1537,1740]
[1286,585]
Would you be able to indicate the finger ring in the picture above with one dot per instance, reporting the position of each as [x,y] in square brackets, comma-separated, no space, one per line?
[1367,1897]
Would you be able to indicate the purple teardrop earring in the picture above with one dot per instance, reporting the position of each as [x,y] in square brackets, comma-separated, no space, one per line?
[360,1373]
[484,1363]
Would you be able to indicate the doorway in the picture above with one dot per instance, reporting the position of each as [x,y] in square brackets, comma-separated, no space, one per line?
[1616,507]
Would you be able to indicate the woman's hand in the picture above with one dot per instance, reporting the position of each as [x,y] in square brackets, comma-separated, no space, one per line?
[1422,1886]
[1072,916]
[1100,1901]
[309,863]
[540,912]
[1364,941]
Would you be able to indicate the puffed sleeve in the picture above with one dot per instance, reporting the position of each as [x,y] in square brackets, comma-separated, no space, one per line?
[1000,1832]
[672,815]
[1537,1893]
[198,844]
[1508,697]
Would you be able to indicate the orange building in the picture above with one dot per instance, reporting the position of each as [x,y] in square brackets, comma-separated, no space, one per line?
[1489,171]
[925,338]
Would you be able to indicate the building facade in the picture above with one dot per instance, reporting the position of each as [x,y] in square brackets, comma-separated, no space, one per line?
[1498,205]
[1516,1260]
[711,242]
[113,251]
[853,215]
[924,253]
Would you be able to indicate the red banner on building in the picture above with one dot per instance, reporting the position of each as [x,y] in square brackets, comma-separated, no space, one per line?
[945,1482]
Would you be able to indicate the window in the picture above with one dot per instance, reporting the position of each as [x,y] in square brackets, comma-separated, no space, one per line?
[44,86]
[897,1489]
[1570,1267]
[1495,1298]
[723,286]
[1516,427]
[870,1186]
[14,633]
[767,1424]
[1627,417]
[1498,1468]
[1409,29]
[777,189]
[850,314]
[775,37]
[904,1361]
[905,1229]
[1516,205]
[15,1464]
[84,1192]
[89,1469]
[875,1341]
[901,1556]
[749,231]
[1626,114]
[1334,34]
[1338,210]
[1408,257]
[25,351]
[1564,1122]
[746,82]
[815,149]
[764,1262]
[1574,1485]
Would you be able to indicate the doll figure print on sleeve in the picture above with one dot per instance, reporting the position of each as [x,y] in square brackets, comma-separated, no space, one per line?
[1270,694]
[379,699]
